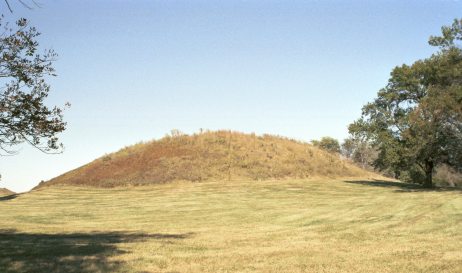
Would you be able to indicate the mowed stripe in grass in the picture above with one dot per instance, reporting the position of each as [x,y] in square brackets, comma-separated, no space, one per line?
[247,226]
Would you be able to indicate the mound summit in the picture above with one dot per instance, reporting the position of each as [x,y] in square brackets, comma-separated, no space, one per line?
[218,156]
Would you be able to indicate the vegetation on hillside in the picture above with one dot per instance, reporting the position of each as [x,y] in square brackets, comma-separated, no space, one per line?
[221,155]
[327,143]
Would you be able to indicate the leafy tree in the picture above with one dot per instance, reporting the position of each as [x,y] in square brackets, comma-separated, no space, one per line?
[416,120]
[327,143]
[23,115]
[359,151]
[348,147]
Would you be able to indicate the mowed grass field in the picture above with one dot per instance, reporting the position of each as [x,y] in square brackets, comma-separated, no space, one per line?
[272,226]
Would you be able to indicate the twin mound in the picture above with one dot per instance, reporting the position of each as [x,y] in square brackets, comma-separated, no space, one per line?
[218,156]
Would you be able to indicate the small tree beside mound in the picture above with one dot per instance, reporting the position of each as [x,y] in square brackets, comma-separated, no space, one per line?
[328,144]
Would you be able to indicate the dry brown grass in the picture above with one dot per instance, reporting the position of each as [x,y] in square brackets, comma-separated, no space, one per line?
[447,176]
[295,226]
[221,155]
[5,191]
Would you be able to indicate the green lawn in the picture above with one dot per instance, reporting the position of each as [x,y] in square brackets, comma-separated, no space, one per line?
[291,226]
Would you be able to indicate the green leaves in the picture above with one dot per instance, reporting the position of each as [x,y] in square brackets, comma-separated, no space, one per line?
[450,35]
[327,143]
[417,118]
[24,117]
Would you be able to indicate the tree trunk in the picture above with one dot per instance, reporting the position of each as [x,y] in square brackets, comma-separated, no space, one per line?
[428,183]
[397,174]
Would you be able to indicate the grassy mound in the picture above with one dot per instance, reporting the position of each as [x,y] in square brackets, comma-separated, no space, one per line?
[220,156]
[5,191]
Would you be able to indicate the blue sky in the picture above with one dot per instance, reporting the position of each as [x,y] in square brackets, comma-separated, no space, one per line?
[134,70]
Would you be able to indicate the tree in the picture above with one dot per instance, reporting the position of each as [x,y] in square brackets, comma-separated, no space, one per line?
[327,143]
[359,151]
[416,120]
[24,117]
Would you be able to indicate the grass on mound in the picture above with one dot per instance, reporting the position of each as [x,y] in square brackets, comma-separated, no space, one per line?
[247,226]
[209,156]
[5,191]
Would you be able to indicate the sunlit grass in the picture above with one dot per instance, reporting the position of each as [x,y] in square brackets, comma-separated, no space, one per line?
[275,226]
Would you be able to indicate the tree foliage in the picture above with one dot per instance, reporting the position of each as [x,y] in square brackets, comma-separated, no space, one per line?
[416,120]
[24,117]
[359,151]
[327,143]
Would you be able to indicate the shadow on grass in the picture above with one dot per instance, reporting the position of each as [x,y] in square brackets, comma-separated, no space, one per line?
[401,186]
[70,253]
[9,197]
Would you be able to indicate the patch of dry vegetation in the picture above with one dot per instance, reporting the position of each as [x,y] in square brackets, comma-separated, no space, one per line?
[220,156]
[447,176]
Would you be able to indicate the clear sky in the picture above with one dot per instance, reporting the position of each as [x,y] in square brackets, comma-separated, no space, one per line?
[134,70]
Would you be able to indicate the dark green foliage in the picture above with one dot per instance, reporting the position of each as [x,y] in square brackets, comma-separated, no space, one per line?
[328,144]
[450,36]
[416,120]
[412,174]
[24,117]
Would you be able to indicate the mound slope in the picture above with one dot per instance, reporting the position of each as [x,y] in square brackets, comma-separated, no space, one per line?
[5,191]
[221,155]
